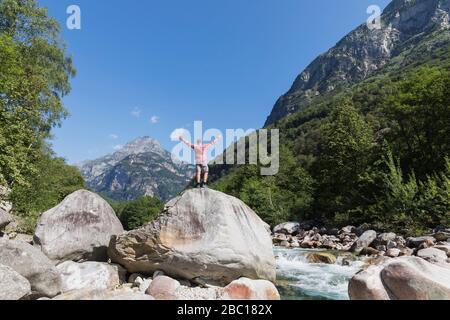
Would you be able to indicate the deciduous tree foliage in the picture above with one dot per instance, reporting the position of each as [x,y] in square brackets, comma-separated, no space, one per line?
[136,213]
[34,76]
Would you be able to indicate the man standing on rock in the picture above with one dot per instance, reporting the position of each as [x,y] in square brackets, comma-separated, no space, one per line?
[201,160]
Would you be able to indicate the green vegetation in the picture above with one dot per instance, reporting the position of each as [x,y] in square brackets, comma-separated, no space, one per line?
[136,213]
[34,76]
[375,153]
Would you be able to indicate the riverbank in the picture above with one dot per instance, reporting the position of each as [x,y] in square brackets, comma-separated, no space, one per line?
[298,279]
[328,264]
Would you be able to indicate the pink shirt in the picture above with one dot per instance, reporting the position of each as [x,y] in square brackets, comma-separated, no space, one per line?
[200,150]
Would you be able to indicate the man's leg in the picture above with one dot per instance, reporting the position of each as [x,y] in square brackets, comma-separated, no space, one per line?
[199,174]
[206,175]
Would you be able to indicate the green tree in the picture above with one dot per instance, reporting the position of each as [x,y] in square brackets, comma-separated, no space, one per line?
[418,112]
[138,212]
[345,152]
[53,181]
[34,76]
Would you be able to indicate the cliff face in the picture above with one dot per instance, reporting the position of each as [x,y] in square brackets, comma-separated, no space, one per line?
[140,168]
[407,25]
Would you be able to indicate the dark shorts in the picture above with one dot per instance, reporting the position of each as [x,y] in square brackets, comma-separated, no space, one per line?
[202,168]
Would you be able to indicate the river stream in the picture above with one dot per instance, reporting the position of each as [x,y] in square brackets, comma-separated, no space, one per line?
[297,279]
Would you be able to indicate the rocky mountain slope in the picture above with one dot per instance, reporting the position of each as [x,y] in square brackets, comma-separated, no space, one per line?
[141,167]
[410,29]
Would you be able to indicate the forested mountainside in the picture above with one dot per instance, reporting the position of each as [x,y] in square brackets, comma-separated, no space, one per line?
[409,32]
[375,151]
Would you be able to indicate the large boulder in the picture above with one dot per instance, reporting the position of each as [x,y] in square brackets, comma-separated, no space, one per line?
[32,264]
[163,288]
[248,289]
[77,229]
[5,219]
[444,247]
[404,278]
[96,294]
[364,241]
[12,285]
[367,285]
[414,242]
[432,255]
[385,238]
[89,275]
[291,228]
[201,235]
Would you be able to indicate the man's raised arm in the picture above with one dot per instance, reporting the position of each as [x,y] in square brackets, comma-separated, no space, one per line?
[190,145]
[216,139]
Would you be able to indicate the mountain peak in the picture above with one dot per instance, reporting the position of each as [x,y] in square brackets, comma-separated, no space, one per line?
[141,167]
[361,53]
[142,145]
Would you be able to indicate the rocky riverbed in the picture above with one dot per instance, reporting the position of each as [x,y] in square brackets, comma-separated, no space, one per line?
[204,245]
[209,245]
[299,279]
[359,263]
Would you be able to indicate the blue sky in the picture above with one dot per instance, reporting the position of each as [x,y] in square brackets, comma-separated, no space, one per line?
[147,67]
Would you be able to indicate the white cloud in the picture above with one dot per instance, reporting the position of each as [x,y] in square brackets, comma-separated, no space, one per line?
[114,136]
[154,119]
[118,147]
[177,133]
[136,112]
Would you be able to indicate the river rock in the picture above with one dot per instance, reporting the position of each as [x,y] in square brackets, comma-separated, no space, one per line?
[21,237]
[5,219]
[361,229]
[285,244]
[442,235]
[411,278]
[393,253]
[445,248]
[415,242]
[391,244]
[348,229]
[163,288]
[404,278]
[295,244]
[12,285]
[364,241]
[321,257]
[202,234]
[198,293]
[367,285]
[406,252]
[432,255]
[279,237]
[291,228]
[5,206]
[333,231]
[77,229]
[384,238]
[143,287]
[248,289]
[89,275]
[96,294]
[136,279]
[32,264]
